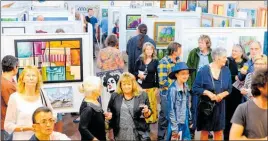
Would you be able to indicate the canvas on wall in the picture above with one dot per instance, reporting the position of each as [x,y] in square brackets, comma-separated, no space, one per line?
[132,21]
[164,32]
[183,5]
[109,82]
[237,23]
[9,19]
[218,9]
[231,9]
[104,13]
[245,42]
[220,22]
[203,5]
[191,5]
[59,60]
[60,97]
[252,14]
[206,21]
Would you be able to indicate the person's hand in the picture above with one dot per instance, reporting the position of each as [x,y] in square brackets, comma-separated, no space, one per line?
[243,71]
[141,76]
[243,91]
[175,136]
[211,95]
[145,109]
[218,98]
[108,115]
[236,78]
[95,139]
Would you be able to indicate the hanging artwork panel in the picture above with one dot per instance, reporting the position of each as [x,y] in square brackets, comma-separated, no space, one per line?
[164,33]
[133,21]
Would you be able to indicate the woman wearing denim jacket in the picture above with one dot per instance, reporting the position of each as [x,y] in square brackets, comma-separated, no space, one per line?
[179,103]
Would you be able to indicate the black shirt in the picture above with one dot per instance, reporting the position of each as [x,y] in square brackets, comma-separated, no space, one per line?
[92,122]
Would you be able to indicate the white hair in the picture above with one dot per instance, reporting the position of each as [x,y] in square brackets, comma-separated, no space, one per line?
[218,52]
[93,81]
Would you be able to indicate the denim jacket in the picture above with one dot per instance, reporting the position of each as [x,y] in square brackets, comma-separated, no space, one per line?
[179,105]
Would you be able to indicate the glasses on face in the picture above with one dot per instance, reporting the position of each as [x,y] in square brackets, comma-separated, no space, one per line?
[45,122]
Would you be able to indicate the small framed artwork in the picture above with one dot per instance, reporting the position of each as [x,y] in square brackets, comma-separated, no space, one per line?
[191,5]
[237,23]
[220,22]
[60,97]
[164,32]
[13,30]
[183,5]
[252,14]
[203,5]
[262,17]
[206,21]
[104,13]
[231,9]
[132,22]
[218,9]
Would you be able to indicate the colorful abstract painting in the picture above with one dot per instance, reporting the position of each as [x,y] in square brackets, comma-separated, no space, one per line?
[60,97]
[58,60]
[245,41]
[164,33]
[133,21]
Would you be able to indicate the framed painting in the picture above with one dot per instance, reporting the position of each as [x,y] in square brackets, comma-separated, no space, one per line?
[59,60]
[262,17]
[245,42]
[265,44]
[231,9]
[237,23]
[116,16]
[220,22]
[13,30]
[203,5]
[191,5]
[132,21]
[60,97]
[206,21]
[164,32]
[218,9]
[252,14]
[9,19]
[183,5]
[161,53]
[104,13]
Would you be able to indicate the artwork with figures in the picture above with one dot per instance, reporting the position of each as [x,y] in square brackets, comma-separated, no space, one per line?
[133,21]
[204,5]
[206,21]
[60,97]
[245,42]
[231,8]
[109,82]
[59,60]
[52,29]
[164,32]
[220,22]
[252,14]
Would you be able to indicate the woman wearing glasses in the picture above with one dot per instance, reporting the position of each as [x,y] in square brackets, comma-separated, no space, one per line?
[235,62]
[213,83]
[24,102]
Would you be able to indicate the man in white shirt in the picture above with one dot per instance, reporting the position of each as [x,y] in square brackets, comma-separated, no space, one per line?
[43,125]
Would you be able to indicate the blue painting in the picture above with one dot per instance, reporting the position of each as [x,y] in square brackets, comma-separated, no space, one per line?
[25,49]
[231,9]
[55,73]
[203,5]
[60,97]
[191,5]
[265,44]
[252,14]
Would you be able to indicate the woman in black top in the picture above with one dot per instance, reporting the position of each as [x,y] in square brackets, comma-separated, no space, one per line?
[92,117]
[235,62]
[130,107]
[146,75]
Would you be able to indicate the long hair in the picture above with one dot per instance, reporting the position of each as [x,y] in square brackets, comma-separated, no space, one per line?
[21,84]
[143,31]
[126,76]
[143,55]
[244,55]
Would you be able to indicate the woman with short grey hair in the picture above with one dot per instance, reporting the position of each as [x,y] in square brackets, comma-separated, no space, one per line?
[213,83]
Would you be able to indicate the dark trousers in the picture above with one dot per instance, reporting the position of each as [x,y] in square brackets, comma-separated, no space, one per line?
[94,45]
[162,119]
[103,38]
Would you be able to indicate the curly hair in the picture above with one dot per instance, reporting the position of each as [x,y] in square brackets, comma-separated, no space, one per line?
[259,79]
[126,76]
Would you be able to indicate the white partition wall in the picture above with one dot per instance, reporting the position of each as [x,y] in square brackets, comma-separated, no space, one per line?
[52,14]
[8,43]
[220,37]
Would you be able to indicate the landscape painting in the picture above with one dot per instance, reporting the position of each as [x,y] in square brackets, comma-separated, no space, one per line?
[164,32]
[60,97]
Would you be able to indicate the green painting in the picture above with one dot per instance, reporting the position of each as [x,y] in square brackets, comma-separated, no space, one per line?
[104,13]
[133,21]
[9,19]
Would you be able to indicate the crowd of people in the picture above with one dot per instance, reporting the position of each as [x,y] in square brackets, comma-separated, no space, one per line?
[195,95]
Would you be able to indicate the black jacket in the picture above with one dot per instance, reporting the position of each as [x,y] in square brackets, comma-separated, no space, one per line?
[114,106]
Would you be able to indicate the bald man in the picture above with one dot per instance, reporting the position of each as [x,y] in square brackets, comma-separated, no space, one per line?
[40,18]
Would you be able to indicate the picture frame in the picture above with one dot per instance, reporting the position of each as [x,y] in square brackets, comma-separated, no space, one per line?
[206,21]
[262,17]
[104,13]
[13,30]
[60,97]
[164,32]
[218,9]
[203,5]
[245,42]
[58,60]
[183,5]
[237,23]
[191,5]
[220,22]
[252,14]
[116,16]
[132,21]
[231,9]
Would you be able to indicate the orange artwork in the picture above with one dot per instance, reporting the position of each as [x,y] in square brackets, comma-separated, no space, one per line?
[162,3]
[218,9]
[262,17]
[183,5]
[75,57]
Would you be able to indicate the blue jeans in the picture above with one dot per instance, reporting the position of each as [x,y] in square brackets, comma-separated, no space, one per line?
[162,119]
[6,136]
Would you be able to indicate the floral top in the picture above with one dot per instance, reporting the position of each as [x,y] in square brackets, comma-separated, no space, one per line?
[110,58]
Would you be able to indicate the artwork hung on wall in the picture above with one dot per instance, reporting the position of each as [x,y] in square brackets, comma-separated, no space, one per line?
[9,19]
[238,23]
[191,5]
[189,43]
[218,9]
[104,13]
[220,22]
[164,32]
[245,42]
[109,82]
[203,5]
[161,53]
[231,9]
[265,44]
[13,30]
[206,21]
[218,41]
[60,97]
[59,60]
[183,5]
[84,9]
[116,15]
[133,21]
[252,14]
[262,17]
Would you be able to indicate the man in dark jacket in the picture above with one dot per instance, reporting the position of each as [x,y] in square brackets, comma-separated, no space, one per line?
[134,46]
[197,58]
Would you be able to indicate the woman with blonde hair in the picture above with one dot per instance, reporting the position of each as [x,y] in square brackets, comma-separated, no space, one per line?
[146,74]
[92,117]
[24,102]
[130,107]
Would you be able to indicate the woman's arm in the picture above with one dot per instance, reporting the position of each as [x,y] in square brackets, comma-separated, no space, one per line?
[148,113]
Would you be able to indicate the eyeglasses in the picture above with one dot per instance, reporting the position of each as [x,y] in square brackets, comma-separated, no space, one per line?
[45,122]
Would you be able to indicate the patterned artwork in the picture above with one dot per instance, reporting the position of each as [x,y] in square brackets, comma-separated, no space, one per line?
[164,32]
[133,21]
[60,97]
[245,41]
[58,60]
